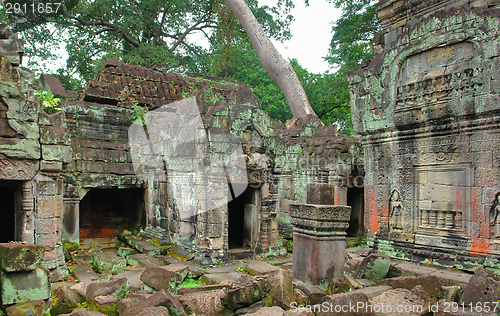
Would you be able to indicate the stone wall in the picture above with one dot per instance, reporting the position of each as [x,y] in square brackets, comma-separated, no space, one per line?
[104,162]
[31,188]
[428,105]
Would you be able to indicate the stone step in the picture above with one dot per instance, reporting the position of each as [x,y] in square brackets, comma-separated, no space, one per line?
[84,273]
[220,278]
[141,259]
[225,269]
[241,253]
[255,267]
[102,243]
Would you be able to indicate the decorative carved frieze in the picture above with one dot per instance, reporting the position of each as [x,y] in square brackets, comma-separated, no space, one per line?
[13,169]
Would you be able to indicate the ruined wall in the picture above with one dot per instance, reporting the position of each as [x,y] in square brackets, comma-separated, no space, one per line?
[428,105]
[109,159]
[31,189]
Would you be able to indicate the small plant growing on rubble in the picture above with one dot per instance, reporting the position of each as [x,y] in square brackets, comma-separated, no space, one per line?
[138,113]
[49,103]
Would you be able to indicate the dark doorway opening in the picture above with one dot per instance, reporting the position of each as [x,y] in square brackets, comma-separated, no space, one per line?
[236,220]
[356,200]
[243,219]
[10,208]
[107,212]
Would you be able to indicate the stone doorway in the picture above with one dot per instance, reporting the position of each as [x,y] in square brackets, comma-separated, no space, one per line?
[243,219]
[107,212]
[11,210]
[356,200]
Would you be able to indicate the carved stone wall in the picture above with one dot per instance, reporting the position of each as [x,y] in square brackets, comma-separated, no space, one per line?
[428,105]
[85,147]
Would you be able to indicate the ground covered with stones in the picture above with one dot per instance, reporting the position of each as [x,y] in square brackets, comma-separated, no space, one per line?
[134,276]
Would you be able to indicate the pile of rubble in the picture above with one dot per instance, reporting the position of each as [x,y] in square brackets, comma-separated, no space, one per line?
[141,279]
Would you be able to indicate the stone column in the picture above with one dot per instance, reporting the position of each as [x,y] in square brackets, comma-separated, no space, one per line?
[319,242]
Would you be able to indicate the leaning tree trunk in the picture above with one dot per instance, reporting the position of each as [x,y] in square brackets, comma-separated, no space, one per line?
[279,69]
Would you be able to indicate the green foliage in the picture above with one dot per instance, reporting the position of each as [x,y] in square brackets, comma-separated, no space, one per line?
[246,68]
[330,103]
[138,113]
[351,44]
[188,282]
[49,103]
[139,32]
[352,34]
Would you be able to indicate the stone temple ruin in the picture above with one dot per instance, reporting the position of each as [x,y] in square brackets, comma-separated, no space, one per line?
[74,174]
[428,105]
[195,163]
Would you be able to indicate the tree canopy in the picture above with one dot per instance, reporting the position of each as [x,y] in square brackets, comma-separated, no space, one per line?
[140,32]
[147,32]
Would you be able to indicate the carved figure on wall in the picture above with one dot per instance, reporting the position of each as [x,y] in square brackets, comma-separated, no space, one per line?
[495,217]
[395,211]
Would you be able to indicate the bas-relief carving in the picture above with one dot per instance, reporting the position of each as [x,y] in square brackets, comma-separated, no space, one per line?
[11,169]
[495,218]
[395,211]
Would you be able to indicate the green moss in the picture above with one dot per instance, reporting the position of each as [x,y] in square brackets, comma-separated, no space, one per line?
[189,282]
[109,309]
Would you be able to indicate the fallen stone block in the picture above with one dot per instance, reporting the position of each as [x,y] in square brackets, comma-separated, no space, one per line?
[18,287]
[399,302]
[106,304]
[299,297]
[299,312]
[179,268]
[154,311]
[259,267]
[84,312]
[16,257]
[343,285]
[314,294]
[373,291]
[133,278]
[207,303]
[34,308]
[84,273]
[245,291]
[201,288]
[220,278]
[108,261]
[64,300]
[347,300]
[80,289]
[268,311]
[119,288]
[136,303]
[281,288]
[430,284]
[452,293]
[140,259]
[484,286]
[374,267]
[162,278]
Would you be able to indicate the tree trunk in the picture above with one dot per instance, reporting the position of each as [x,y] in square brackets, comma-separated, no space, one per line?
[279,69]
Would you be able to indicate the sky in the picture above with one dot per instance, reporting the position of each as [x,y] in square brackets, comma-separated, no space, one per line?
[311,33]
